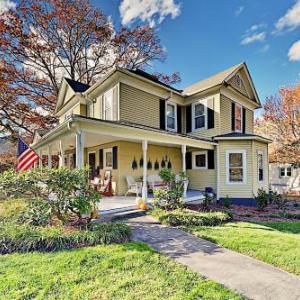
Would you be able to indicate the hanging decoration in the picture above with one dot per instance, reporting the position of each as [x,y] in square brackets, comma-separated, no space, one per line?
[163,163]
[141,162]
[149,165]
[169,164]
[134,164]
[156,165]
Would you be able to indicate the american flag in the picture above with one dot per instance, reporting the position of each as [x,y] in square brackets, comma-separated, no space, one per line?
[26,156]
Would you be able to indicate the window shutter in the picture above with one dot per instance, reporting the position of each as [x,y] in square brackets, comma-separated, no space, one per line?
[211,159]
[233,116]
[179,118]
[101,158]
[115,157]
[188,160]
[244,120]
[162,114]
[74,160]
[188,118]
[210,114]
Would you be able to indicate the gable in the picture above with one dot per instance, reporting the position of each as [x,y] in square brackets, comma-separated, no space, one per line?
[237,81]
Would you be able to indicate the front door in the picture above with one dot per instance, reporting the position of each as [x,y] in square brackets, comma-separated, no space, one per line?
[92,165]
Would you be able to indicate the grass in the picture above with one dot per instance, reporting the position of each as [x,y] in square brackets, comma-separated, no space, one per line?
[127,271]
[274,243]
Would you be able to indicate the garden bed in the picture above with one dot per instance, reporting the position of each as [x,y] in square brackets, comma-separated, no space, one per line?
[271,213]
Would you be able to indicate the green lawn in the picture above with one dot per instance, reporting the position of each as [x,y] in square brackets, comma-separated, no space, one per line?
[274,243]
[128,271]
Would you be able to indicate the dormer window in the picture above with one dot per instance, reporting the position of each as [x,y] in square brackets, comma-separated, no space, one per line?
[171,115]
[238,118]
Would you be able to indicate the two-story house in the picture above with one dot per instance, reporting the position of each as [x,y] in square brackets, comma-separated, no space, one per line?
[131,123]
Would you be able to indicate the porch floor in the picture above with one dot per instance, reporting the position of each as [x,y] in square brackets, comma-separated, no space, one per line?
[109,205]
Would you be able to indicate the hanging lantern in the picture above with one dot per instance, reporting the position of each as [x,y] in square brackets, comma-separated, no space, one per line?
[156,165]
[163,163]
[134,164]
[169,164]
[149,165]
[141,162]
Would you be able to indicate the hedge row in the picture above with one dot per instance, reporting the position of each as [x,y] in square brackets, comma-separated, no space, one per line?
[25,238]
[184,217]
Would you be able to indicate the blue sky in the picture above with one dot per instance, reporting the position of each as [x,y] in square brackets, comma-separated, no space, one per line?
[207,36]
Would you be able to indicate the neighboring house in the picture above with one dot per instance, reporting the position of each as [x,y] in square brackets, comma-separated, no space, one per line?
[131,123]
[285,178]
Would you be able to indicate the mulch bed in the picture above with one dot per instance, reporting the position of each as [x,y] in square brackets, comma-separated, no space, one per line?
[291,213]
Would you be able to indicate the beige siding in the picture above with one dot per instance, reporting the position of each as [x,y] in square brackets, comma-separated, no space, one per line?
[256,147]
[200,179]
[234,82]
[138,106]
[236,190]
[249,120]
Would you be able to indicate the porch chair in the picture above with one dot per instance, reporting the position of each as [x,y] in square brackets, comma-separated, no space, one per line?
[133,186]
[185,184]
[106,188]
[155,182]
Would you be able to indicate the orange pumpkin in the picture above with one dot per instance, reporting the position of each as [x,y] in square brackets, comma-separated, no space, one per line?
[143,206]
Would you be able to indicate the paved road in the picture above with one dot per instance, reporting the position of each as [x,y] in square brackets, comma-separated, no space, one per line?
[248,276]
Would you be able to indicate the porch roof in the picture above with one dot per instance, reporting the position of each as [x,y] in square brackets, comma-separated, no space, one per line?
[120,130]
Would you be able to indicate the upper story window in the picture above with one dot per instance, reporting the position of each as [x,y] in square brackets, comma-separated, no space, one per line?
[260,165]
[238,118]
[199,115]
[236,166]
[286,171]
[108,105]
[200,160]
[171,115]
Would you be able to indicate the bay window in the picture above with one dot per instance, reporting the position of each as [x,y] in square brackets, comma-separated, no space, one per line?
[236,166]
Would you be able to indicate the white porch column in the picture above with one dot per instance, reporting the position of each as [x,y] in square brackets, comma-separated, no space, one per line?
[61,154]
[40,162]
[79,149]
[144,189]
[49,156]
[183,151]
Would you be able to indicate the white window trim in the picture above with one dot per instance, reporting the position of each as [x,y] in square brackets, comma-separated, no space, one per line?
[104,158]
[285,171]
[263,166]
[204,102]
[166,117]
[241,106]
[112,104]
[244,153]
[194,160]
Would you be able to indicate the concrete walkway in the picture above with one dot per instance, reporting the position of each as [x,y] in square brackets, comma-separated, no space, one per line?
[248,276]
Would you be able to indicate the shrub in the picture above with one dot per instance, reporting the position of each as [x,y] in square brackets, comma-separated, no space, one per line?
[226,202]
[278,200]
[65,191]
[261,199]
[207,200]
[183,217]
[12,209]
[171,196]
[27,238]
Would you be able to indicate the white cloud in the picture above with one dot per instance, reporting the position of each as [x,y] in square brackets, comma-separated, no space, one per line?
[264,49]
[239,10]
[6,5]
[294,52]
[151,11]
[291,19]
[254,37]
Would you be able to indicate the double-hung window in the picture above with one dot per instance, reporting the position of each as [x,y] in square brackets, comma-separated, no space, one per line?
[108,158]
[200,160]
[238,115]
[108,105]
[236,166]
[199,113]
[171,115]
[286,171]
[260,165]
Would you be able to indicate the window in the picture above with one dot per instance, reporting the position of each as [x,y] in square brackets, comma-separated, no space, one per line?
[200,160]
[238,118]
[238,80]
[108,105]
[260,166]
[171,115]
[107,158]
[285,171]
[236,166]
[199,112]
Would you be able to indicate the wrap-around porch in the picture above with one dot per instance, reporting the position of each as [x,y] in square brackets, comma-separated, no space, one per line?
[122,149]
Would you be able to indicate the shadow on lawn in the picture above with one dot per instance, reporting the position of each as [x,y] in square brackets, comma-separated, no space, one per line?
[287,227]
